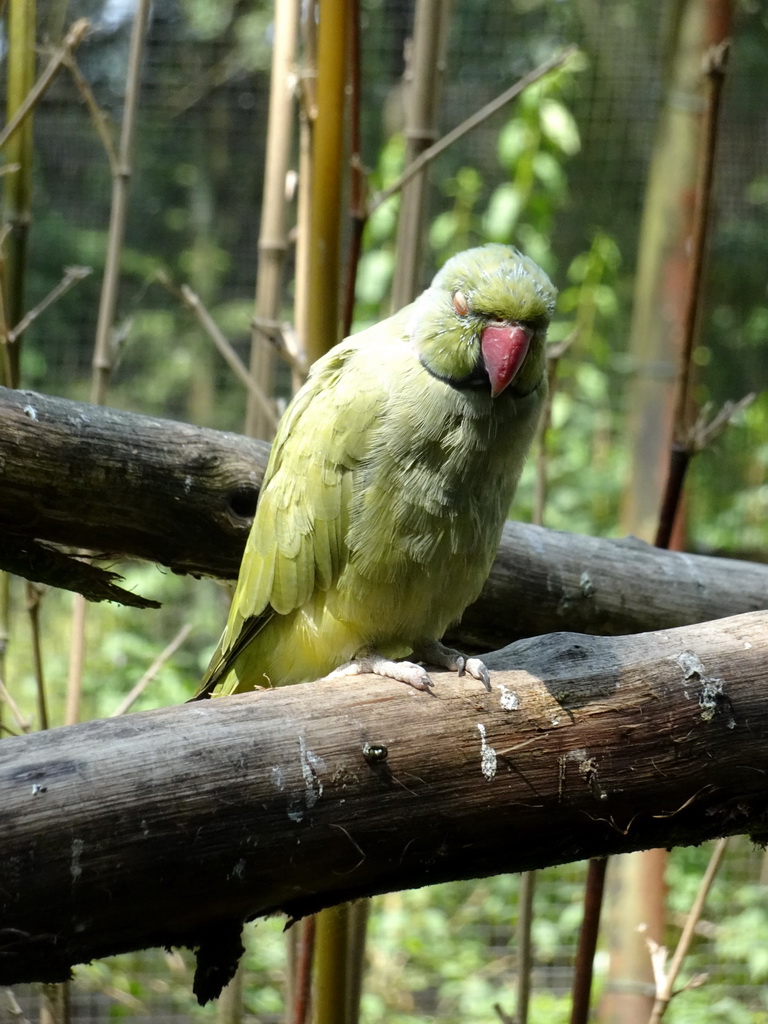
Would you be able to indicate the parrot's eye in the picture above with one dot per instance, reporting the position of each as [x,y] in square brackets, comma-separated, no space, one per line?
[460,303]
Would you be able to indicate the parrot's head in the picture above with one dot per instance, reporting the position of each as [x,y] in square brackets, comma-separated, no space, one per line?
[483,321]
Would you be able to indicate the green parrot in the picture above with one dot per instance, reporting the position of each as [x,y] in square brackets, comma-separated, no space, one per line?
[388,485]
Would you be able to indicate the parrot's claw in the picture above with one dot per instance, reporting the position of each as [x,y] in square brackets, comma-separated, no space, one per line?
[435,653]
[402,671]
[477,670]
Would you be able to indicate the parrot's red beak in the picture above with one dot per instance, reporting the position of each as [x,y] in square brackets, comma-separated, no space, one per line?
[504,348]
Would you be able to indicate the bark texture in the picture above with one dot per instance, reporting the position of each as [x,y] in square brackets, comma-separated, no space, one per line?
[123,484]
[172,827]
[104,480]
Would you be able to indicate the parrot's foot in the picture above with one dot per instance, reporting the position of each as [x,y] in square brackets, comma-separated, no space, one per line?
[431,651]
[435,653]
[403,671]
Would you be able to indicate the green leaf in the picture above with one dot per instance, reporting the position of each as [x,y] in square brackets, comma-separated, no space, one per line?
[442,230]
[374,274]
[514,140]
[559,127]
[549,172]
[503,212]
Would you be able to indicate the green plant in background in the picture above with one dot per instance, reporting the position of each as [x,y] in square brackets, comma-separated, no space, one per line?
[459,226]
[534,147]
[728,490]
[729,483]
[136,983]
[448,952]
[585,450]
[376,266]
[123,643]
[728,954]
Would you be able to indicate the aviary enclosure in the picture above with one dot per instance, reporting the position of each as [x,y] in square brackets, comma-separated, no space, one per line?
[201,198]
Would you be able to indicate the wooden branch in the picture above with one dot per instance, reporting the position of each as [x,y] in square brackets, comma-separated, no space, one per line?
[544,580]
[111,481]
[171,827]
[35,561]
[182,496]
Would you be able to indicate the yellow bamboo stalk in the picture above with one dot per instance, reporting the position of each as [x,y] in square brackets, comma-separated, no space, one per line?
[34,600]
[328,165]
[17,186]
[357,936]
[322,329]
[55,1004]
[17,189]
[331,959]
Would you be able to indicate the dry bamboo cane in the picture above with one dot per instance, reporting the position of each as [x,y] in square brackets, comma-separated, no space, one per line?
[424,81]
[103,355]
[273,242]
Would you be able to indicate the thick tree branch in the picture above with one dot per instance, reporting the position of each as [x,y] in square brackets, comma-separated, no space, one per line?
[174,826]
[110,481]
[123,484]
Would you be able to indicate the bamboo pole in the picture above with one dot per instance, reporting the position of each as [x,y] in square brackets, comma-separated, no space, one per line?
[424,79]
[357,214]
[307,115]
[121,176]
[273,242]
[103,354]
[18,145]
[524,944]
[17,190]
[332,975]
[320,330]
[260,414]
[61,57]
[672,248]
[328,166]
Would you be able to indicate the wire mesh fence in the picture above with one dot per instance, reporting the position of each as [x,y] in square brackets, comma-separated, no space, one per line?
[471,924]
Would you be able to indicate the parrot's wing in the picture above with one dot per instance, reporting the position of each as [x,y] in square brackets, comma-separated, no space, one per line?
[297,543]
